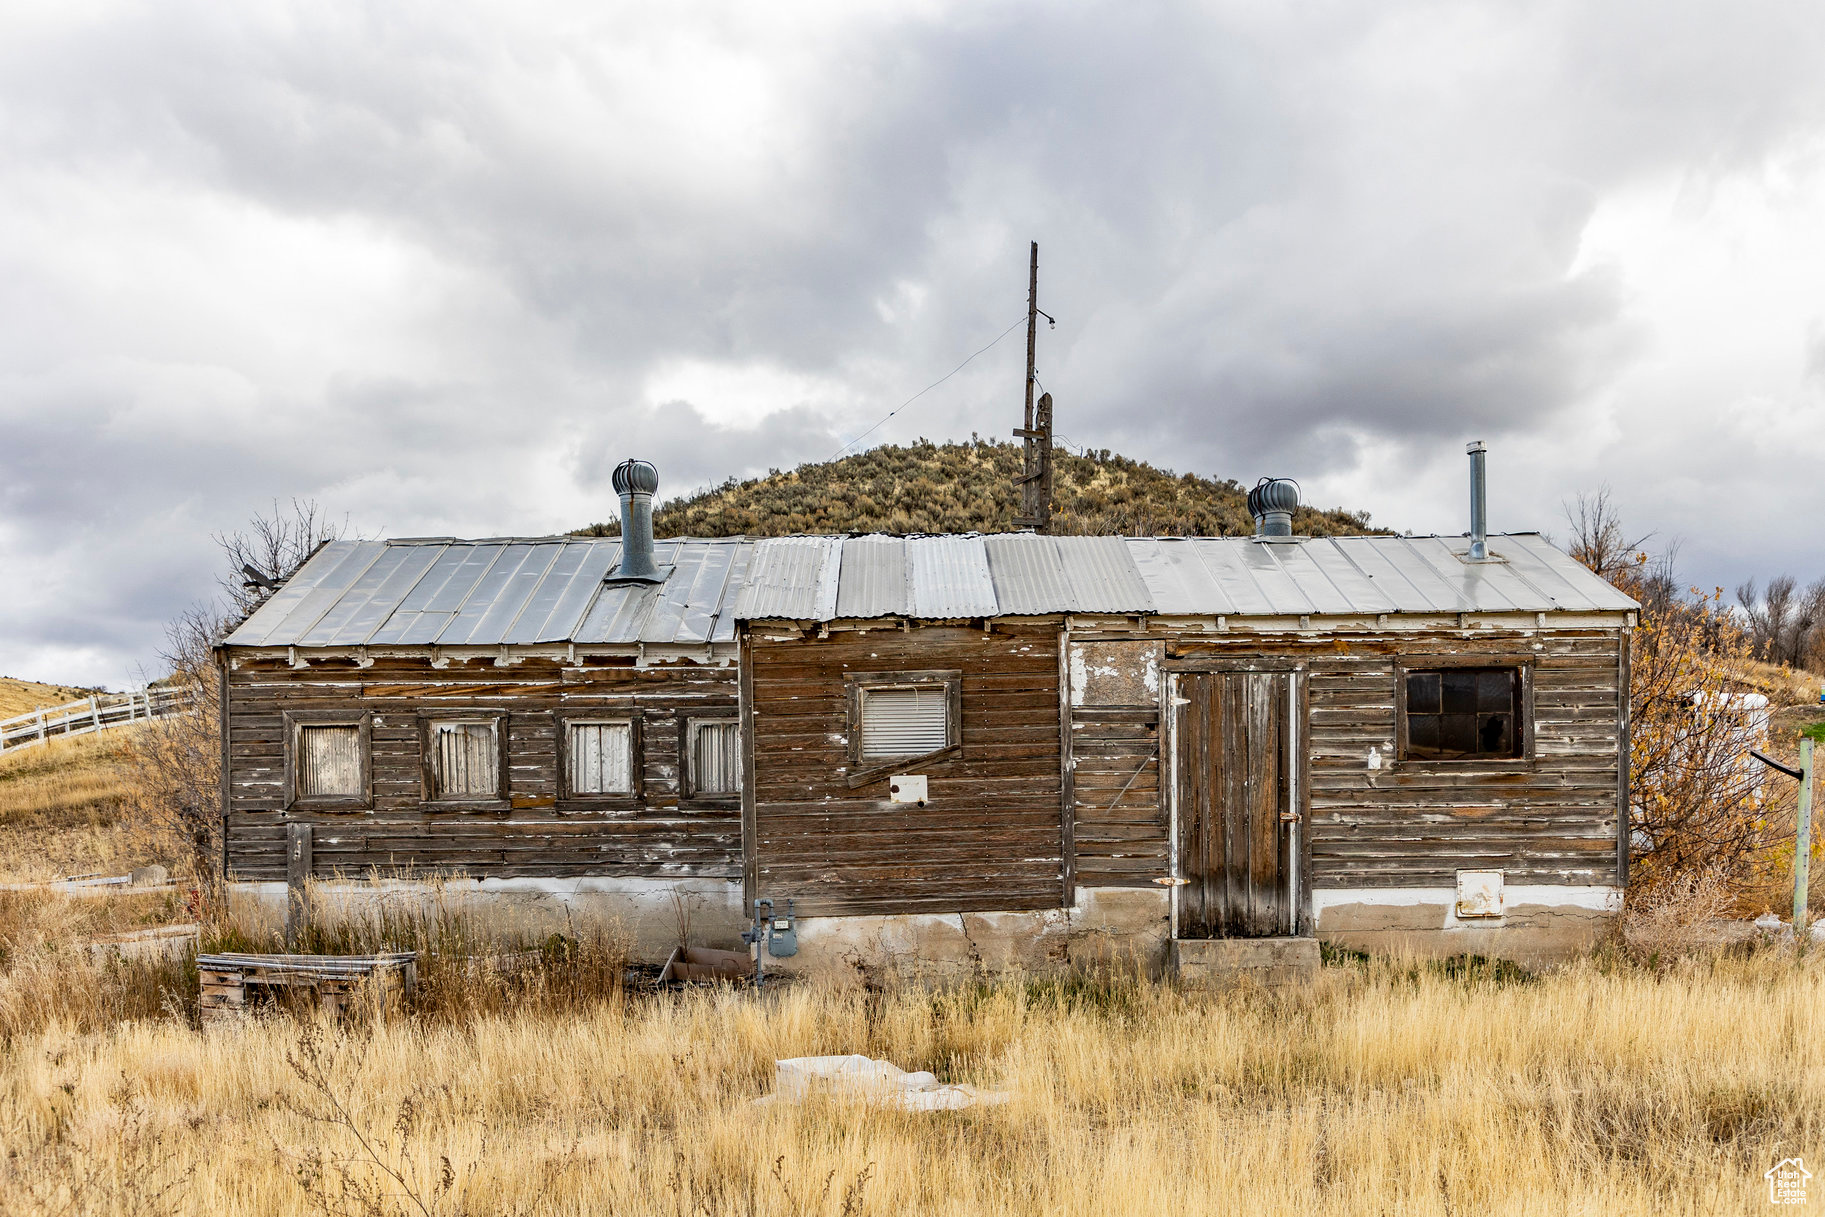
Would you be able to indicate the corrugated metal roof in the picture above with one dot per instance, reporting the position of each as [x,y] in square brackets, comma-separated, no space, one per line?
[484,593]
[792,579]
[444,592]
[949,577]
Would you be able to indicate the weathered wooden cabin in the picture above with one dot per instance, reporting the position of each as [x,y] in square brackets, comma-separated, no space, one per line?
[951,752]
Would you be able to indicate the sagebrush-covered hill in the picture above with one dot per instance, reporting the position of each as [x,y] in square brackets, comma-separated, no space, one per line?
[969,487]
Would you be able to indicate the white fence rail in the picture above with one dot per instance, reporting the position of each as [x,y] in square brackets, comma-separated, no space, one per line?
[91,714]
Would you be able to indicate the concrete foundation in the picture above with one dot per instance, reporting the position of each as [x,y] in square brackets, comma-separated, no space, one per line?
[1539,925]
[1124,927]
[1214,963]
[648,916]
[1110,926]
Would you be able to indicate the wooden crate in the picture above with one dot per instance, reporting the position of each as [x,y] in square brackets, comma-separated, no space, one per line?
[340,983]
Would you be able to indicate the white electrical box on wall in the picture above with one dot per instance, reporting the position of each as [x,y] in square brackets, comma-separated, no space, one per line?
[907,788]
[1479,893]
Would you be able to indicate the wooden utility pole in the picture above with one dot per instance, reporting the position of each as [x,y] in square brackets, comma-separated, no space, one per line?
[1035,480]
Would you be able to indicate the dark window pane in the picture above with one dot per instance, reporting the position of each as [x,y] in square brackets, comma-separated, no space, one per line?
[1422,693]
[1495,691]
[1459,690]
[1463,713]
[1457,734]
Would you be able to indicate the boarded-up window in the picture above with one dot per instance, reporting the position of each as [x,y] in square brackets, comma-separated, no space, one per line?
[906,721]
[329,762]
[465,760]
[1463,713]
[715,758]
[601,758]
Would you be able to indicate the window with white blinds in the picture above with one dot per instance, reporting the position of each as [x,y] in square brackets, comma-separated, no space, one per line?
[905,721]
[328,762]
[465,760]
[715,758]
[601,758]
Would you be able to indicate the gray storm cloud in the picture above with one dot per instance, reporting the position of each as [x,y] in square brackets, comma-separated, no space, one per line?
[438,266]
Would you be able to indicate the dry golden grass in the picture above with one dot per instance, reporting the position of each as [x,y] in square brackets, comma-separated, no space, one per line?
[20,696]
[1385,1088]
[62,809]
[1783,685]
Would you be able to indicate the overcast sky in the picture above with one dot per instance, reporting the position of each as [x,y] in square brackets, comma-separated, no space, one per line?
[439,266]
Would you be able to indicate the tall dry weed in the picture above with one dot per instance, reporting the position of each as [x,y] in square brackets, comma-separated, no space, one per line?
[1385,1087]
[472,960]
[1678,917]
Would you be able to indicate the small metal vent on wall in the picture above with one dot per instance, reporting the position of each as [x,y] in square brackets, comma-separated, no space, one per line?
[1479,893]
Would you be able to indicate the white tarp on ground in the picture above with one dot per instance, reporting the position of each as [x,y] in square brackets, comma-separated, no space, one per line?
[858,1077]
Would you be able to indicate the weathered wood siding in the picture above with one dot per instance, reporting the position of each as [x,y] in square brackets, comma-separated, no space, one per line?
[1120,815]
[1405,824]
[1411,824]
[990,836]
[659,836]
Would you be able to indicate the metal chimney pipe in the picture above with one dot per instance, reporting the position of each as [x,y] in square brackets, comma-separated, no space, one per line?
[635,482]
[1479,501]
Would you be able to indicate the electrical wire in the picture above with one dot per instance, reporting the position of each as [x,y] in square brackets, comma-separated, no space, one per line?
[927,389]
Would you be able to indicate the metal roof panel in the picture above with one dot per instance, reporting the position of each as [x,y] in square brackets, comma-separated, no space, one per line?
[792,578]
[1409,582]
[687,606]
[1568,582]
[511,601]
[369,601]
[1027,574]
[1102,575]
[1355,585]
[556,609]
[948,577]
[312,591]
[1236,582]
[874,578]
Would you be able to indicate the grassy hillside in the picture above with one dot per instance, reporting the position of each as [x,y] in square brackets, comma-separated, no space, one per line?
[19,696]
[969,487]
[62,809]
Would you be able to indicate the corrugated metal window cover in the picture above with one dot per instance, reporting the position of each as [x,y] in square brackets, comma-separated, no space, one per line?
[716,758]
[329,762]
[601,758]
[466,760]
[904,721]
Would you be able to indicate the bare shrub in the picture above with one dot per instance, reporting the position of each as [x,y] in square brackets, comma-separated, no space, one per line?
[1699,804]
[1597,536]
[275,543]
[1786,624]
[1702,813]
[175,762]
[1676,917]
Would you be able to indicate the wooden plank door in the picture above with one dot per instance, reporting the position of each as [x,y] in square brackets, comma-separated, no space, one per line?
[1237,807]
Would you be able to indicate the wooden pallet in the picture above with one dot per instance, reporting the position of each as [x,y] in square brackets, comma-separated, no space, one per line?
[340,983]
